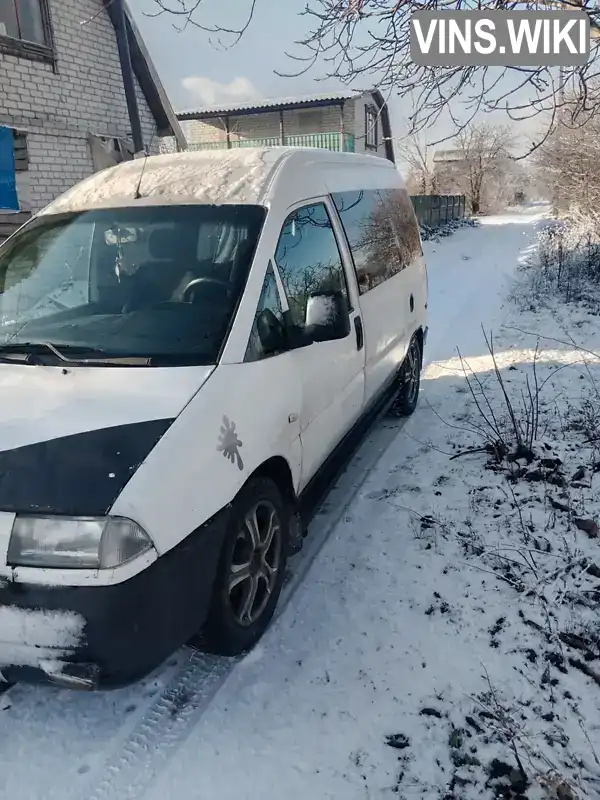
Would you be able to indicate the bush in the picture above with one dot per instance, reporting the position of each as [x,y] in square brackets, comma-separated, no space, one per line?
[564,264]
[429,232]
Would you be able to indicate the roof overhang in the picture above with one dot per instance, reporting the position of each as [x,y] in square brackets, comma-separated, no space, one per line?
[264,108]
[165,118]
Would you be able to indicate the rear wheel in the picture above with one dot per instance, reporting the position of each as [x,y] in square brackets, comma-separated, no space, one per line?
[251,569]
[410,381]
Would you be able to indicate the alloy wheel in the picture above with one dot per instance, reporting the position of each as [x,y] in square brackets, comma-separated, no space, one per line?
[255,563]
[411,376]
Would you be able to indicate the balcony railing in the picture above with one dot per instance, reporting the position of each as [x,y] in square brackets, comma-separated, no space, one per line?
[323,141]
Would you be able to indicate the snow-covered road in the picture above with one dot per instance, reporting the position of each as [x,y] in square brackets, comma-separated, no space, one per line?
[298,714]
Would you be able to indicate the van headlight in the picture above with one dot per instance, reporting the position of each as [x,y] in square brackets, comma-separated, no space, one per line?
[75,542]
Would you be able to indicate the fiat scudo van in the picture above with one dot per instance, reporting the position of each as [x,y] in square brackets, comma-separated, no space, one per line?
[187,343]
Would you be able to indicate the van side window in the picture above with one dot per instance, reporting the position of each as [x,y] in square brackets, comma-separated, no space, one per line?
[371,220]
[399,208]
[308,259]
[269,298]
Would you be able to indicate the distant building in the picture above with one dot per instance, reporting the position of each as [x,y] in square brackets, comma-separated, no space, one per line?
[449,167]
[488,181]
[354,122]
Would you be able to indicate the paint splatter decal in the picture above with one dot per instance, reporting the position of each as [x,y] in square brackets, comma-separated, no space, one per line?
[230,443]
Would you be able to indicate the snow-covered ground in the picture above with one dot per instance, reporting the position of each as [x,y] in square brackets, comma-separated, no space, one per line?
[444,635]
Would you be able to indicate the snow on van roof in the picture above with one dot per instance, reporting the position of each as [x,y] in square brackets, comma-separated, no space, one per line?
[207,177]
[210,177]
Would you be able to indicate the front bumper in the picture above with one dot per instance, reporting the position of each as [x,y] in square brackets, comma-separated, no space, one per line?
[93,637]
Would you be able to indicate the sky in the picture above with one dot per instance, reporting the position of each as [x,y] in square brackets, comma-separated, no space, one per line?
[196,71]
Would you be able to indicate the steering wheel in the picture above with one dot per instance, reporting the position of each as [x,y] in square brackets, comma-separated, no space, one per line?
[188,291]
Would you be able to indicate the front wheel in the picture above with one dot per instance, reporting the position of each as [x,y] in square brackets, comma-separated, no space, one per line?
[410,381]
[251,570]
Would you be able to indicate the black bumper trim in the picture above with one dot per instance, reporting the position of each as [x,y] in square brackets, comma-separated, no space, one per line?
[130,627]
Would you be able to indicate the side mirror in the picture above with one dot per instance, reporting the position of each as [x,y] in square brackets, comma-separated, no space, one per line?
[270,332]
[327,316]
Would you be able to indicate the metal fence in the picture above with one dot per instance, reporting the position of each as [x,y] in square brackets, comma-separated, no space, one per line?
[322,141]
[438,209]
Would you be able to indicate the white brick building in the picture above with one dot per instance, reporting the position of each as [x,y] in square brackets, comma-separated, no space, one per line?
[351,121]
[61,87]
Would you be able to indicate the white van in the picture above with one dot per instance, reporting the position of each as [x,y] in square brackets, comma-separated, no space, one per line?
[187,345]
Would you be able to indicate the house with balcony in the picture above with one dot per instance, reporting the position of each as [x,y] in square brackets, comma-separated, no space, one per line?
[351,121]
[64,107]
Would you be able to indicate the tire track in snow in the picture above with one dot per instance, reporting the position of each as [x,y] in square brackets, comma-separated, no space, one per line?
[166,723]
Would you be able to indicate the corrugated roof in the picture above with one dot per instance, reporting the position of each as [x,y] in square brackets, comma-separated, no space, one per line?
[275,103]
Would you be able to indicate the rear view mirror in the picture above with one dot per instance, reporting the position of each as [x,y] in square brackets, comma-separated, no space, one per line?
[270,332]
[327,316]
[117,235]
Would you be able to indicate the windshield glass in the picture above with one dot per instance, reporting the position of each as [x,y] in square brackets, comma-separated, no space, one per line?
[154,282]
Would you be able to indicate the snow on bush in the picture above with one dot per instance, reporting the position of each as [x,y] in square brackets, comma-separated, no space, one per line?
[435,232]
[503,498]
[563,265]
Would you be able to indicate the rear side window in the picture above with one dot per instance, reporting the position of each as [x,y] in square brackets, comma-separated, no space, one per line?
[399,209]
[381,231]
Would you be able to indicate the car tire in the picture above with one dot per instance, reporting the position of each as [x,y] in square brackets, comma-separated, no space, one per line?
[251,570]
[410,381]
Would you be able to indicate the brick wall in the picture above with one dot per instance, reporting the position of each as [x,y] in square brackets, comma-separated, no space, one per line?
[58,110]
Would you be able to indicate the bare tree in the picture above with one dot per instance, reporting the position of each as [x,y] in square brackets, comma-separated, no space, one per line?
[482,161]
[569,161]
[367,42]
[418,158]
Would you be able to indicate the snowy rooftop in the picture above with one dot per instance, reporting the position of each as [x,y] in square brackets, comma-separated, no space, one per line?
[210,177]
[204,177]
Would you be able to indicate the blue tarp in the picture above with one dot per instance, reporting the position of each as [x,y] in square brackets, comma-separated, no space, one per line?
[8,185]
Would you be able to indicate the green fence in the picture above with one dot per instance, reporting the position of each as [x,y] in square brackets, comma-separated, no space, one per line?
[438,209]
[323,141]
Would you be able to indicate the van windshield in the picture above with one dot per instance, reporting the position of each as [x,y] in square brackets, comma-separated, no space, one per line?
[155,283]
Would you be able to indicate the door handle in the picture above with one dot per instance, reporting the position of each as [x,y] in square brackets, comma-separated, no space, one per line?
[360,338]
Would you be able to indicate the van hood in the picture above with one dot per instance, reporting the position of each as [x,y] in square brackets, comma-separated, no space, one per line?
[71,438]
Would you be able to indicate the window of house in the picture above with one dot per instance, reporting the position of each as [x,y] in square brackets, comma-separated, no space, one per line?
[371,124]
[381,233]
[25,27]
[308,259]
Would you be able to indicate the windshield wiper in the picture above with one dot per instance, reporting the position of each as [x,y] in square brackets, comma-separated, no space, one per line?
[99,356]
